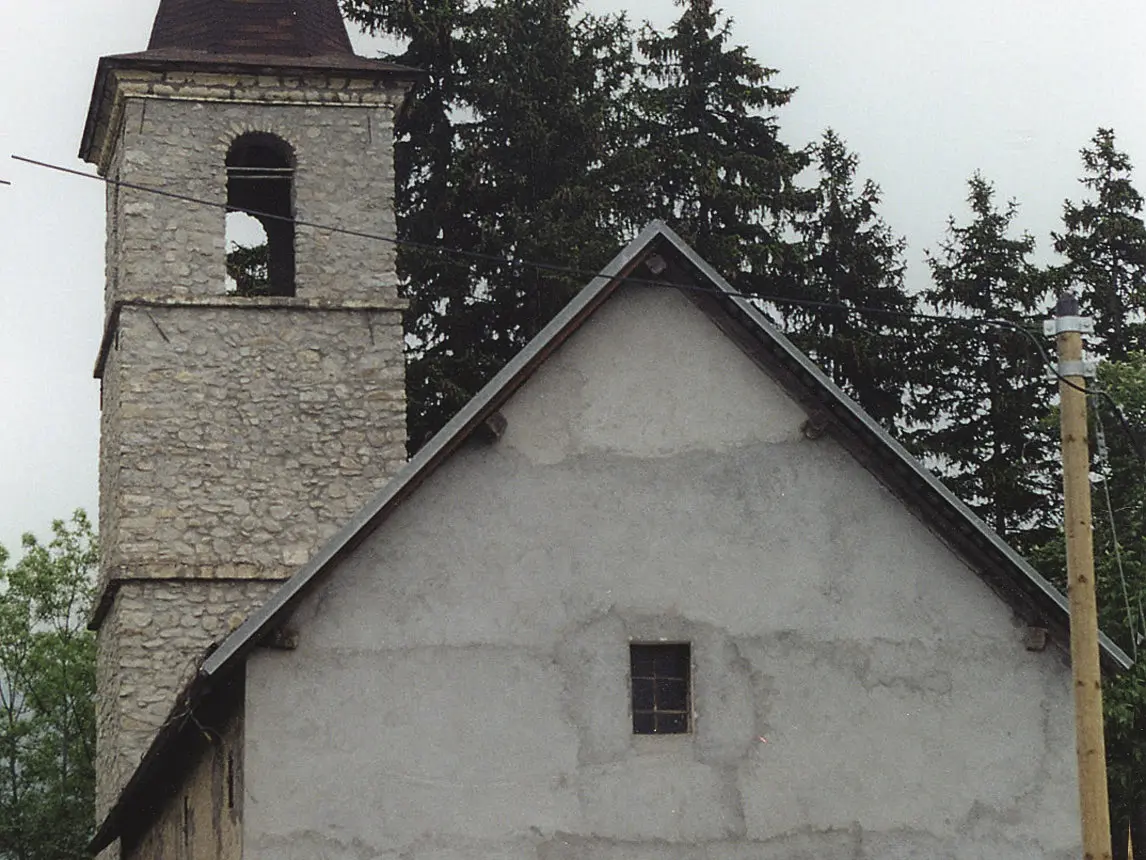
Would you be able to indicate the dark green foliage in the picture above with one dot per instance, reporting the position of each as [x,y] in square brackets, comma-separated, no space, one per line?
[1121,587]
[849,256]
[1104,243]
[716,168]
[512,148]
[985,395]
[47,684]
[1125,488]
[537,136]
[1105,247]
[248,268]
[1120,576]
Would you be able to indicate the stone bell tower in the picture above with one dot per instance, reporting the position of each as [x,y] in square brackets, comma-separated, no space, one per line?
[240,428]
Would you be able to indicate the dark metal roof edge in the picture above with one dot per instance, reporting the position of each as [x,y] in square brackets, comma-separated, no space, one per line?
[95,107]
[889,442]
[162,59]
[446,440]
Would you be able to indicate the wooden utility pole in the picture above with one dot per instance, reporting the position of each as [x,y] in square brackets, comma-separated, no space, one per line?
[1084,653]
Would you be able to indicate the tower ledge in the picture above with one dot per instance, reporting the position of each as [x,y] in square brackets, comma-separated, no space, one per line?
[240,78]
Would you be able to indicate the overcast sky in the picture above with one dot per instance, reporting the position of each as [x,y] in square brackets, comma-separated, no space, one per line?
[926,91]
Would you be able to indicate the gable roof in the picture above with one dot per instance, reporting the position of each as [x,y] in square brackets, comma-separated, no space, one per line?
[1003,569]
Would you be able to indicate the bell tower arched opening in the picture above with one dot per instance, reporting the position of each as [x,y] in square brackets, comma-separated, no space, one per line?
[260,184]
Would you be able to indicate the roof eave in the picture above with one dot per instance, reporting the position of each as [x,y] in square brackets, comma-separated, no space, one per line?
[1042,592]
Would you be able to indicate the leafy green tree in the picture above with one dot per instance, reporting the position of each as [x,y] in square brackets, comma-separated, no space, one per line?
[1105,246]
[716,167]
[848,256]
[47,685]
[986,396]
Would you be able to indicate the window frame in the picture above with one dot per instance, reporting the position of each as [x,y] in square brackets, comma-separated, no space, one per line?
[660,688]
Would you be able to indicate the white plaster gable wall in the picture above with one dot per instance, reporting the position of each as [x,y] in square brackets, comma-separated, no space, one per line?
[460,688]
[663,389]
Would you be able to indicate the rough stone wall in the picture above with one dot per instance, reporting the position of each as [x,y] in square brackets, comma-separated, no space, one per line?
[238,434]
[342,139]
[236,441]
[859,693]
[203,819]
[149,646]
[239,438]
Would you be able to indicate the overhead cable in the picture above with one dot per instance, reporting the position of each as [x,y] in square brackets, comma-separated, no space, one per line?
[559,269]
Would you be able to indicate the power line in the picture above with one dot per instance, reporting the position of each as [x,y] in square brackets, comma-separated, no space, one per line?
[554,268]
[533,264]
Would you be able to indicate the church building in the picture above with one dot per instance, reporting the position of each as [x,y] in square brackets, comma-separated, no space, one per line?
[661,590]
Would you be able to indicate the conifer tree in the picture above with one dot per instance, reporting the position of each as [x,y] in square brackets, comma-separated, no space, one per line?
[981,409]
[535,167]
[849,256]
[716,168]
[1119,518]
[1120,573]
[1105,245]
[511,148]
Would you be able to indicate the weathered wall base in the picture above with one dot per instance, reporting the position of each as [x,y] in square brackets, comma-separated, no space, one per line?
[201,819]
[148,649]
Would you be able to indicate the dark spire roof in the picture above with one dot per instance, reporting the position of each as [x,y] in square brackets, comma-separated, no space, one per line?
[287,28]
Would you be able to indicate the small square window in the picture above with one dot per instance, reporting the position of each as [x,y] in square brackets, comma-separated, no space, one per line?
[662,700]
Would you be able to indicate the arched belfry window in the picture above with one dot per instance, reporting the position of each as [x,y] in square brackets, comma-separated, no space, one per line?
[260,202]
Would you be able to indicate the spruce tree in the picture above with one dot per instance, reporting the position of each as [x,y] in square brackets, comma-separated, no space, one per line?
[509,150]
[848,256]
[716,167]
[535,137]
[1105,245]
[986,395]
[427,207]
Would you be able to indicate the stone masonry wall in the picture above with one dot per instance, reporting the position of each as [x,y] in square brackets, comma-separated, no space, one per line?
[238,434]
[238,439]
[150,645]
[343,178]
